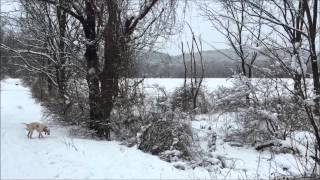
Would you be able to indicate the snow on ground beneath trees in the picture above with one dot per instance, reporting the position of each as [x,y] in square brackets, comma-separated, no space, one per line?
[243,161]
[60,156]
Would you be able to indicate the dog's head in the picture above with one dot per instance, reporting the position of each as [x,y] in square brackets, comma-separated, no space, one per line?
[46,130]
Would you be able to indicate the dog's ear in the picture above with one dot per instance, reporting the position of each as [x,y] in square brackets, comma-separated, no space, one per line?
[46,130]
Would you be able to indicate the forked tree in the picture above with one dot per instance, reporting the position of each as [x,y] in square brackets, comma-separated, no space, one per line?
[119,24]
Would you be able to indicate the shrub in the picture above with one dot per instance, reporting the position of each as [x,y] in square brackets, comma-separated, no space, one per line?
[170,139]
[182,99]
[265,111]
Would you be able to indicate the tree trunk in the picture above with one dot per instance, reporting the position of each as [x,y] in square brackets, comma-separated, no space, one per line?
[61,76]
[109,78]
[315,75]
[93,85]
[109,75]
[49,81]
[89,25]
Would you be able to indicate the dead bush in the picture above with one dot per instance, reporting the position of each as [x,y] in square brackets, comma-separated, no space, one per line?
[182,99]
[169,139]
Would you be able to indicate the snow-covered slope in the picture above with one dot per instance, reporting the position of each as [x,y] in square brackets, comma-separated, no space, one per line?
[59,156]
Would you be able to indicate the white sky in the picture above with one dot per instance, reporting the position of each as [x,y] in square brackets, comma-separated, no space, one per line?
[211,39]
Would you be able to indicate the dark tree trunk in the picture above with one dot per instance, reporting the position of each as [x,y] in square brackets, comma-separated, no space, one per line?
[184,97]
[315,72]
[49,81]
[109,78]
[61,72]
[89,25]
[93,83]
[109,75]
[249,76]
[316,82]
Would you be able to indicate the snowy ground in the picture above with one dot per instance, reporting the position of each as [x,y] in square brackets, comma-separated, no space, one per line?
[169,84]
[60,156]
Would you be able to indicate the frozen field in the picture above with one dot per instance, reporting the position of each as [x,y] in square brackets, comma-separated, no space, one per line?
[171,83]
[211,84]
[59,156]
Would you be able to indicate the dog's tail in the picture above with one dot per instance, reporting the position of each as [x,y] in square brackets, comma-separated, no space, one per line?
[26,125]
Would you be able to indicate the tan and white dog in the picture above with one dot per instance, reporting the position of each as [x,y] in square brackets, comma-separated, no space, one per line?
[38,127]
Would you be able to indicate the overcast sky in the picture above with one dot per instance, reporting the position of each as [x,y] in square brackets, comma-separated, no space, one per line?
[211,39]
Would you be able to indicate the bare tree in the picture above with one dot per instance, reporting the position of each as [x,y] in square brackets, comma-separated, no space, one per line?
[42,44]
[282,31]
[195,78]
[293,27]
[119,38]
[122,30]
[234,23]
[299,26]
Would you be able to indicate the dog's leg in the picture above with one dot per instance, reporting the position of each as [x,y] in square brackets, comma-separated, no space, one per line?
[40,135]
[29,134]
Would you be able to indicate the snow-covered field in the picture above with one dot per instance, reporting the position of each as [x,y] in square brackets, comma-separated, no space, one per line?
[169,84]
[60,156]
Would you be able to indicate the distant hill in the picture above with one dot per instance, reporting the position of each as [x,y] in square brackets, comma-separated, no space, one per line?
[218,64]
[156,64]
